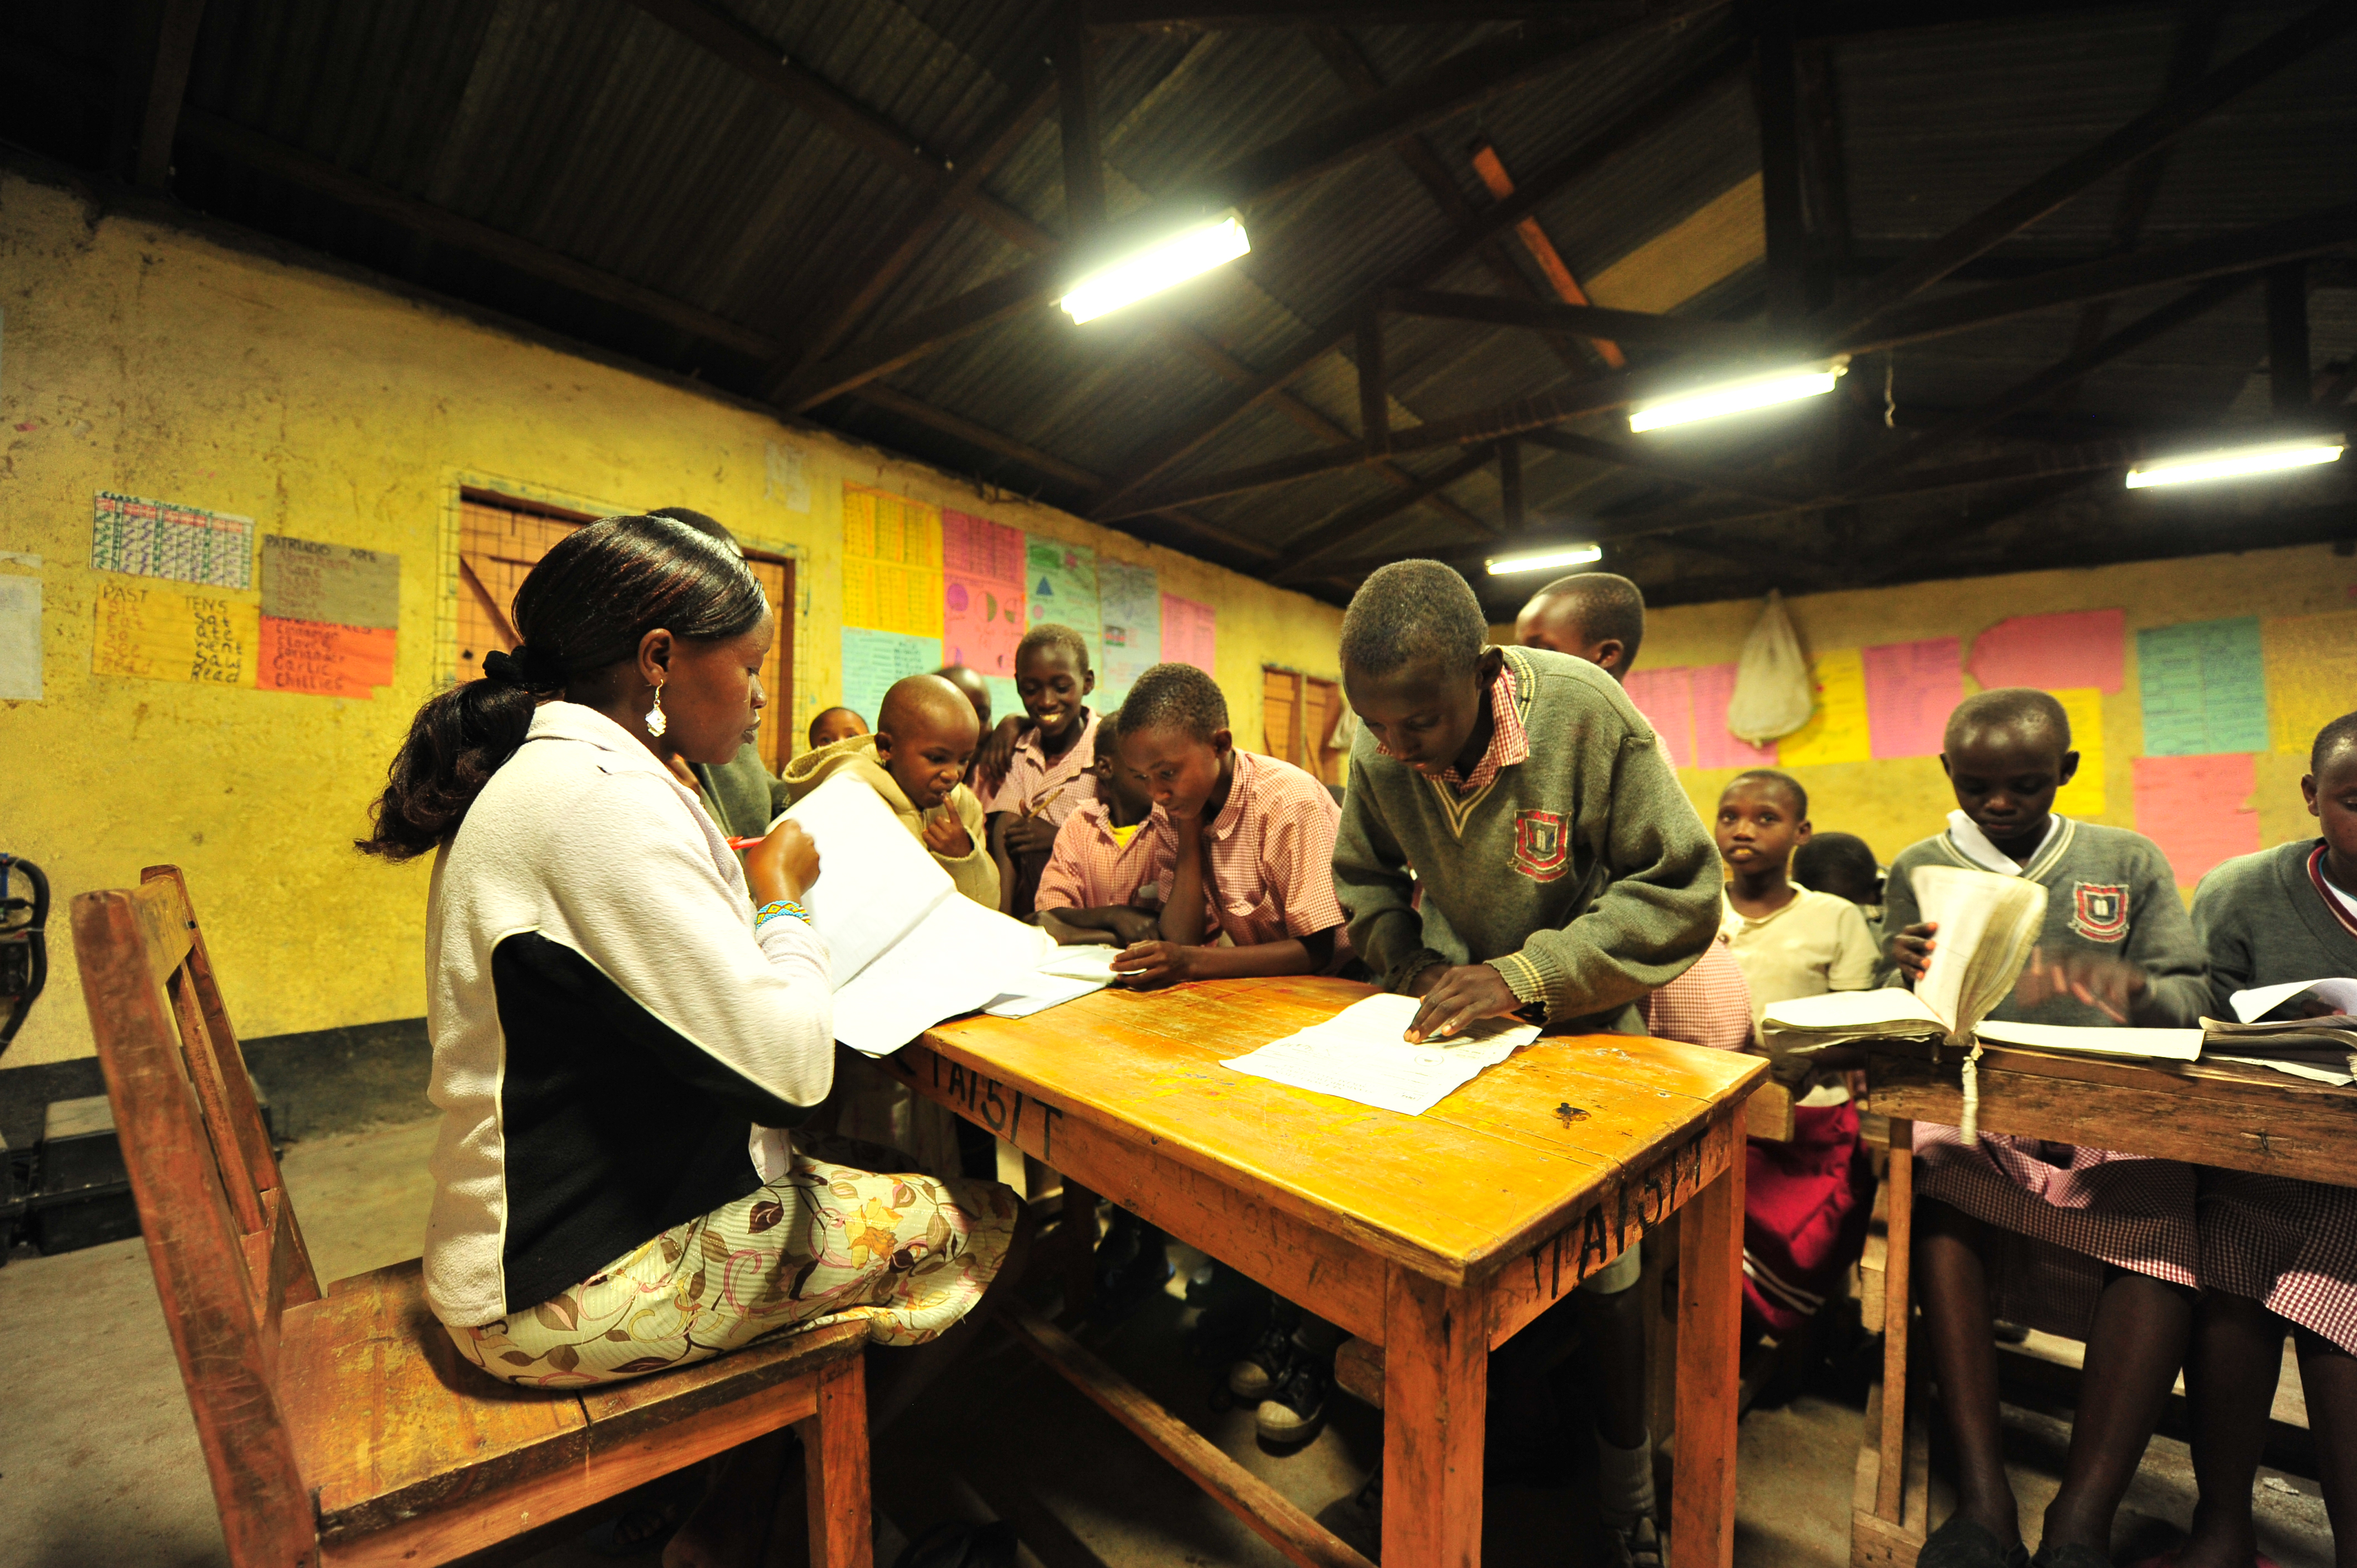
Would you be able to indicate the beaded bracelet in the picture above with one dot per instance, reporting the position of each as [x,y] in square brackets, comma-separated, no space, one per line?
[779,907]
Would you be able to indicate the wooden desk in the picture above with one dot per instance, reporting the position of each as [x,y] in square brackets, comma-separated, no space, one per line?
[1436,1237]
[2244,1118]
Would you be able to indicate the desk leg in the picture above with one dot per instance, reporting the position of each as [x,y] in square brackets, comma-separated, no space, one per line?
[1080,1250]
[1710,1347]
[1436,1394]
[1898,1268]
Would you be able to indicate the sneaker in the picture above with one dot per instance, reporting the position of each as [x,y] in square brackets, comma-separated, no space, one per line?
[1638,1546]
[1270,1362]
[1295,1409]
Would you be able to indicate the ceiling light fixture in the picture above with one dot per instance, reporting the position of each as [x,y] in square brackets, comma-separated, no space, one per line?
[2234,462]
[1738,397]
[1544,560]
[1169,261]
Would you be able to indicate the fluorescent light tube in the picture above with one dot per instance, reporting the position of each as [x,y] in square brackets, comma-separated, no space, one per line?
[1736,397]
[1544,560]
[2232,462]
[1174,260]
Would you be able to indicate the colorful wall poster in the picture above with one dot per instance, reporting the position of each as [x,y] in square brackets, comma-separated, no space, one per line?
[324,658]
[1129,606]
[1716,746]
[303,579]
[1838,731]
[1666,698]
[161,635]
[20,639]
[2311,672]
[2085,795]
[1910,688]
[158,538]
[2204,688]
[2196,809]
[1190,633]
[1060,580]
[873,660]
[981,593]
[892,563]
[2083,648]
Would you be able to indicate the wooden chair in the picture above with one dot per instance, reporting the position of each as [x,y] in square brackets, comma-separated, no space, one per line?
[344,1427]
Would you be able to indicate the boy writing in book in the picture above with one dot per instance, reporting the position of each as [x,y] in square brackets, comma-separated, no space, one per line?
[2116,948]
[2277,1250]
[1102,877]
[925,733]
[1536,809]
[1048,776]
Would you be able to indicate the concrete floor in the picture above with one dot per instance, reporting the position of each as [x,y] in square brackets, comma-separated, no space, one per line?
[99,1463]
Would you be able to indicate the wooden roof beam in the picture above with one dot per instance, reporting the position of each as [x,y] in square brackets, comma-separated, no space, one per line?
[1323,539]
[1695,333]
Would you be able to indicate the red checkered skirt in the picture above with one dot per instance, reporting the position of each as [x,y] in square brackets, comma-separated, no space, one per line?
[2290,1245]
[2067,1212]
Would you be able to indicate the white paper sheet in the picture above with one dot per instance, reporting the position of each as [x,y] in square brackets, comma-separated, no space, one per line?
[20,638]
[1039,993]
[2252,1005]
[2297,1069]
[1851,1009]
[959,957]
[876,882]
[1092,961]
[2150,1045]
[1358,1055]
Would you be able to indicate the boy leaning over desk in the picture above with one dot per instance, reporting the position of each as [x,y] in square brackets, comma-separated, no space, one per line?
[1534,808]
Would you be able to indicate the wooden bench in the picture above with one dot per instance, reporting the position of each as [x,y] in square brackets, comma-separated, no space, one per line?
[344,1427]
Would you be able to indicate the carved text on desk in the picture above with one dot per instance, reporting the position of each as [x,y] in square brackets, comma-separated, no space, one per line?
[983,1098]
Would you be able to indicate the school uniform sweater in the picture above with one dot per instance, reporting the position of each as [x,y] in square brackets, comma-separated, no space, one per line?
[2109,892]
[974,874]
[2264,921]
[1580,872]
[614,1047]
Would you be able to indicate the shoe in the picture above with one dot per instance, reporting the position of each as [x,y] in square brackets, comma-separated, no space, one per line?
[1268,1364]
[1962,1543]
[1295,1409]
[1638,1546]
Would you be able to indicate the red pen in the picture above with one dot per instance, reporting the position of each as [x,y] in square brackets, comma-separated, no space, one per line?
[742,843]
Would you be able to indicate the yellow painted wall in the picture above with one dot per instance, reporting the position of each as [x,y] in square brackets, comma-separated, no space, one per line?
[142,358]
[1890,804]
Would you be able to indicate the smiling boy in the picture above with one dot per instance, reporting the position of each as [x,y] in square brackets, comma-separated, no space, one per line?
[1048,776]
[916,760]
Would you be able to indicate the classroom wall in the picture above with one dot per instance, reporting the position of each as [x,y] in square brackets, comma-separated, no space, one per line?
[2217,771]
[158,363]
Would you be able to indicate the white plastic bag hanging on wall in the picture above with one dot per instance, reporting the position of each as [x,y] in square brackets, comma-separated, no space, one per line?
[1773,695]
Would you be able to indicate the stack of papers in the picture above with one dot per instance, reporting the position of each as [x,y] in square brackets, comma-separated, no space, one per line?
[1064,975]
[1814,1023]
[2303,1028]
[1358,1055]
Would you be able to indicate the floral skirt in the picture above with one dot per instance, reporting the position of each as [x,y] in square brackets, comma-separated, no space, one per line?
[909,1254]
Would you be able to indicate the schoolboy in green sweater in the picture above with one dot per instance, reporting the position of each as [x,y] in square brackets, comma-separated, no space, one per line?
[1569,875]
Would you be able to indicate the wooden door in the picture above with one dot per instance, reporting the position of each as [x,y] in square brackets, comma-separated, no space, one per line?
[1280,702]
[1322,712]
[776,575]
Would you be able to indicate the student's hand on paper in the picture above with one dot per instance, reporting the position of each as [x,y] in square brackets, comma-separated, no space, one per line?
[1464,993]
[998,753]
[782,866]
[1148,965]
[946,835]
[2103,984]
[1031,836]
[1134,926]
[1910,950]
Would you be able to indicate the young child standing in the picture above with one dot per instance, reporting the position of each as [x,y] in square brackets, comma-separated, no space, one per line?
[916,760]
[2116,948]
[1101,879]
[2277,1250]
[1573,878]
[1792,941]
[1048,777]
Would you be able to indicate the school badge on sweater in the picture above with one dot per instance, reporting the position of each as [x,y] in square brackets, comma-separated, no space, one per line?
[2099,910]
[1542,846]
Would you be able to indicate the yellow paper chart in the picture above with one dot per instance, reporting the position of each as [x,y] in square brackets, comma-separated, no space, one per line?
[1838,731]
[2311,663]
[159,635]
[2084,797]
[892,563]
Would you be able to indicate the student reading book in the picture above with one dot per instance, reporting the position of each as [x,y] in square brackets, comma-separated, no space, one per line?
[1103,879]
[2275,1250]
[916,760]
[2115,947]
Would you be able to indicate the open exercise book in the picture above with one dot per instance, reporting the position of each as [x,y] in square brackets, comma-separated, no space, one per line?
[908,949]
[2305,1028]
[1358,1054]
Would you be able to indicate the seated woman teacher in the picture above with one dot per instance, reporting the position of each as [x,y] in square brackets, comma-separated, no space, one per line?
[621,1037]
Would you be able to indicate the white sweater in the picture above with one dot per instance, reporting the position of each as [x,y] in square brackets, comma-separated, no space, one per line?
[606,1024]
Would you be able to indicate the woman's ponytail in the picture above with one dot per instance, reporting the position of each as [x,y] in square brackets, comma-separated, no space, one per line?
[455,742]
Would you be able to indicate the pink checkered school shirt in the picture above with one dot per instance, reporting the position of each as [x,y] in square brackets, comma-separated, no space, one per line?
[1272,849]
[1709,1004]
[1091,869]
[1509,743]
[1037,787]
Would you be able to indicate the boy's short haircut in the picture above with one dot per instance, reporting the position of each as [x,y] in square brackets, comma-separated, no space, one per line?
[1783,781]
[2008,707]
[1834,858]
[2333,738]
[1175,696]
[1414,610]
[1608,606]
[1049,634]
[823,715]
[1108,732]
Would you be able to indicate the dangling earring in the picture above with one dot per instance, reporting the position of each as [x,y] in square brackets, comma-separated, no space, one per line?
[656,722]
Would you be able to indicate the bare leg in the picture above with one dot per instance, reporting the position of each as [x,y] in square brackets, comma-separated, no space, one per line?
[2328,1376]
[1952,1283]
[896,1377]
[2229,1382]
[2134,1351]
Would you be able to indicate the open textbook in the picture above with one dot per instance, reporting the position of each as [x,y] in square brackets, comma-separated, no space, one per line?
[1358,1054]
[908,949]
[2304,1027]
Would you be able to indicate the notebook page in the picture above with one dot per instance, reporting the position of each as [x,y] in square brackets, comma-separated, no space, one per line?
[960,956]
[875,881]
[1358,1055]
[2151,1044]
[1980,942]
[1852,1009]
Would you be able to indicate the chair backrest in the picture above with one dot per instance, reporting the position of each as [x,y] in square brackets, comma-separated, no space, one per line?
[221,1236]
